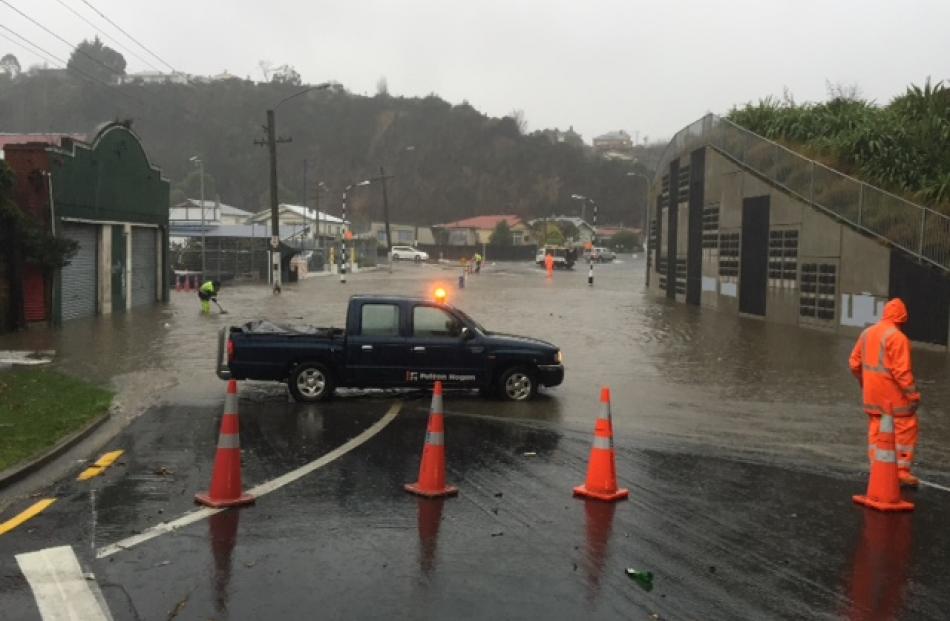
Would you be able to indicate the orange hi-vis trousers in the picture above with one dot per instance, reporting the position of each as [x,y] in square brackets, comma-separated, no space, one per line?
[905,431]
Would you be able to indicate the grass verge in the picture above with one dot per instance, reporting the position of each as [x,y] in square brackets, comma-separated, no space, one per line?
[39,407]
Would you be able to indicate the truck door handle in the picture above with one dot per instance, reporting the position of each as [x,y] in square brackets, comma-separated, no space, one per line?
[419,350]
[367,348]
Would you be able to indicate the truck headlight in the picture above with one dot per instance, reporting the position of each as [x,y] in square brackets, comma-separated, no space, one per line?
[559,357]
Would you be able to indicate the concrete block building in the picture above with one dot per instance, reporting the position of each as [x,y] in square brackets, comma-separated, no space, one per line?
[742,225]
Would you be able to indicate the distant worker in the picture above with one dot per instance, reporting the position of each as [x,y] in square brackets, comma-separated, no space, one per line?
[478,263]
[881,362]
[549,263]
[207,293]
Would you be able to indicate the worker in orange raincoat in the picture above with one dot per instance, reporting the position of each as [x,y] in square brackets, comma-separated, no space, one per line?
[881,362]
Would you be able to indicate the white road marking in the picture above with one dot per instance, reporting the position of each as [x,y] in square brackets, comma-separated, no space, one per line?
[61,590]
[935,486]
[258,491]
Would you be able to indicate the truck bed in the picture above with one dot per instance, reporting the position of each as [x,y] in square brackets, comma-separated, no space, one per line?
[263,326]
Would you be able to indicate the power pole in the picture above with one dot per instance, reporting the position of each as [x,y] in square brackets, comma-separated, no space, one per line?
[271,143]
[389,239]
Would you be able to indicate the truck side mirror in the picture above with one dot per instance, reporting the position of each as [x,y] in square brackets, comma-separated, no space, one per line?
[467,333]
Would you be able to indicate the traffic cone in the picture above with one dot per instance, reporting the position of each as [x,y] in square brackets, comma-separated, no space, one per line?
[431,483]
[884,492]
[601,474]
[226,477]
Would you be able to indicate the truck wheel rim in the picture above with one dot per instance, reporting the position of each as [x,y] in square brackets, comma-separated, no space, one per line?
[518,386]
[311,382]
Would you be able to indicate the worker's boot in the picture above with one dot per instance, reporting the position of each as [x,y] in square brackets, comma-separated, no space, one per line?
[906,479]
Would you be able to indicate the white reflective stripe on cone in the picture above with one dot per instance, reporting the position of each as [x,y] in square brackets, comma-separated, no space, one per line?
[435,438]
[229,441]
[436,406]
[887,457]
[230,403]
[603,443]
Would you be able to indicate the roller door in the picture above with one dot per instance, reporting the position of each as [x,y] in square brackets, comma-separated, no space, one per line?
[34,294]
[143,265]
[79,277]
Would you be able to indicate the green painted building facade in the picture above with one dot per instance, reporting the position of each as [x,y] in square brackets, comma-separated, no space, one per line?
[113,201]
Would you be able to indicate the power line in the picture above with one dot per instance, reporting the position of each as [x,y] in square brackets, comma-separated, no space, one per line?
[71,46]
[38,51]
[119,28]
[64,64]
[105,34]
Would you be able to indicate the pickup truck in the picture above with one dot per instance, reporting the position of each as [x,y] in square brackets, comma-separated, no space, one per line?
[390,341]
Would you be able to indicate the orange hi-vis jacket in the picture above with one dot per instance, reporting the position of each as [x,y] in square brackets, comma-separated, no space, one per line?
[881,362]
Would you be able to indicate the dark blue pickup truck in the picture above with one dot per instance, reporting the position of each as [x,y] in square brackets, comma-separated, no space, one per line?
[390,342]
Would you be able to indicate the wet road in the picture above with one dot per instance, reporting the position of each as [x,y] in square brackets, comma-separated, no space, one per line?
[740,441]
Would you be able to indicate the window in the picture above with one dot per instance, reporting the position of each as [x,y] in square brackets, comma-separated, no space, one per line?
[517,238]
[381,236]
[711,226]
[429,321]
[380,320]
[729,254]
[404,237]
[783,257]
[819,283]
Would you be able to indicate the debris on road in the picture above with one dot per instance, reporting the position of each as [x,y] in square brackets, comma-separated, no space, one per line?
[644,579]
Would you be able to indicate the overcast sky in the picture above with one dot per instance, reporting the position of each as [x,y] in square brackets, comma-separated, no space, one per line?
[598,65]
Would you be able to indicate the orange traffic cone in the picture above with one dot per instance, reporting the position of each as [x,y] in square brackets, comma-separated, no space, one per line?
[226,477]
[431,483]
[601,474]
[884,492]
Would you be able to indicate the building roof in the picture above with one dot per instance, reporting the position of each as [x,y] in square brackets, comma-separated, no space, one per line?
[308,213]
[617,135]
[53,138]
[481,222]
[226,209]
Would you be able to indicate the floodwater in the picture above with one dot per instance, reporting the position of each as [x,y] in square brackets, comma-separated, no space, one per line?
[741,443]
[682,377]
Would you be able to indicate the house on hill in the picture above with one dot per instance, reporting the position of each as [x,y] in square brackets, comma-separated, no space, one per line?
[478,230]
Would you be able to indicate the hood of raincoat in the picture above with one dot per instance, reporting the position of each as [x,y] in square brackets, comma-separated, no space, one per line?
[895,311]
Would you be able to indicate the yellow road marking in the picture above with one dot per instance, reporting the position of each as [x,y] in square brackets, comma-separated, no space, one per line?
[32,512]
[100,466]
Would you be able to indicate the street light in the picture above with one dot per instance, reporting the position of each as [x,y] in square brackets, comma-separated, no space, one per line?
[646,201]
[197,161]
[590,255]
[344,230]
[271,143]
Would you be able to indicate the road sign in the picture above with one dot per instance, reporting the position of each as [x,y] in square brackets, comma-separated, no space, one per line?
[274,242]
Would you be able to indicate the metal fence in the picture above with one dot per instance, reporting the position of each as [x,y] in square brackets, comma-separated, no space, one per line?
[918,230]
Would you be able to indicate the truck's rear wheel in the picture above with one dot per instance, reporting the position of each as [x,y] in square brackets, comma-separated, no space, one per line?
[310,382]
[517,384]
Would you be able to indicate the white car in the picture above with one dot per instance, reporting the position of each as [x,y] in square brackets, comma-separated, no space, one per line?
[408,253]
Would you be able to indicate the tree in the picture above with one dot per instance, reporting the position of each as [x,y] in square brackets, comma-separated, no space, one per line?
[548,232]
[568,230]
[501,236]
[382,87]
[286,74]
[95,59]
[10,65]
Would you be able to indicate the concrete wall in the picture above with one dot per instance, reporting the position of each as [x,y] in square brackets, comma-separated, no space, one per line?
[823,274]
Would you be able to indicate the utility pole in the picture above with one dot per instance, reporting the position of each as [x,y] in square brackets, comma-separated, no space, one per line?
[344,230]
[590,256]
[389,239]
[271,142]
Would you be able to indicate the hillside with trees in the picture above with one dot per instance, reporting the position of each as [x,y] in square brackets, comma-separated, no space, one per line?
[903,146]
[449,161]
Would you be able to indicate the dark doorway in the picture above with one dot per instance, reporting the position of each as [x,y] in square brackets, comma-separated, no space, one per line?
[926,292]
[754,255]
[672,229]
[118,268]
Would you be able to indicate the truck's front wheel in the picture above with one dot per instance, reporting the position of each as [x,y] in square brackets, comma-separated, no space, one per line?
[517,384]
[310,382]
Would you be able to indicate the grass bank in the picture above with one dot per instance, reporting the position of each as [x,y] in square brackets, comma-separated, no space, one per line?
[39,407]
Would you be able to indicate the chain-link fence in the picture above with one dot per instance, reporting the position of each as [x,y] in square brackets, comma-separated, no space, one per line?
[918,230]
